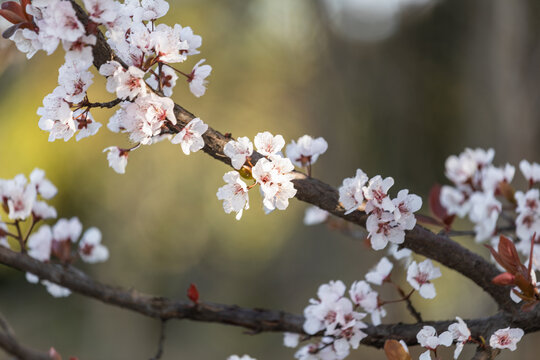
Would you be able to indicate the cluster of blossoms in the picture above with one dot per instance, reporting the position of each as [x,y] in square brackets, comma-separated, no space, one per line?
[482,192]
[273,172]
[389,218]
[20,199]
[139,75]
[337,316]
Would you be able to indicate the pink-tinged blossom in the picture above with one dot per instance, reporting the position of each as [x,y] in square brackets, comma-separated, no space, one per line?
[376,194]
[154,9]
[234,194]
[117,158]
[493,176]
[90,248]
[65,230]
[428,338]
[238,151]
[167,45]
[380,272]
[44,187]
[315,215]
[528,219]
[18,196]
[42,211]
[506,338]
[531,171]
[465,167]
[455,201]
[60,21]
[39,244]
[383,229]
[362,294]
[190,138]
[194,41]
[398,253]
[102,11]
[420,276]
[268,144]
[197,78]
[405,206]
[56,116]
[80,51]
[274,177]
[26,42]
[484,212]
[461,334]
[127,84]
[168,81]
[306,151]
[74,80]
[351,195]
[85,123]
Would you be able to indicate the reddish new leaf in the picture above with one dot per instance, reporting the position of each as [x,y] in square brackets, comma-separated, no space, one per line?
[193,293]
[437,209]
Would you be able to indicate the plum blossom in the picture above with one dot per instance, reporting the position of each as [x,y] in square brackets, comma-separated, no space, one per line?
[351,195]
[427,337]
[127,84]
[238,151]
[383,229]
[168,47]
[463,168]
[455,201]
[90,248]
[460,333]
[493,176]
[381,272]
[268,144]
[56,290]
[197,78]
[274,177]
[306,151]
[117,158]
[315,215]
[39,244]
[168,79]
[193,41]
[234,194]
[506,338]
[530,171]
[42,211]
[74,80]
[190,138]
[44,187]
[377,194]
[484,212]
[419,276]
[362,294]
[101,11]
[18,196]
[405,206]
[236,357]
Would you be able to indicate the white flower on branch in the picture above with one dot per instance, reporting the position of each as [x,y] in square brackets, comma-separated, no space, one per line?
[167,45]
[381,272]
[274,177]
[306,151]
[168,79]
[420,276]
[362,294]
[127,84]
[117,158]
[193,41]
[44,187]
[268,144]
[90,247]
[384,228]
[234,194]
[291,339]
[197,78]
[190,138]
[376,193]
[315,215]
[405,206]
[236,357]
[40,242]
[506,338]
[428,338]
[238,151]
[101,11]
[531,171]
[74,80]
[351,195]
[18,196]
[42,211]
[461,334]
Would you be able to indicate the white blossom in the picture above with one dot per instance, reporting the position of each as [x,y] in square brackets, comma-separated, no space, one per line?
[376,193]
[306,151]
[39,243]
[268,144]
[238,151]
[90,248]
[420,276]
[65,230]
[315,215]
[44,187]
[197,78]
[427,337]
[383,229]
[234,194]
[531,171]
[168,81]
[41,211]
[351,195]
[117,158]
[405,206]
[56,290]
[461,334]
[506,338]
[190,138]
[381,272]
[291,339]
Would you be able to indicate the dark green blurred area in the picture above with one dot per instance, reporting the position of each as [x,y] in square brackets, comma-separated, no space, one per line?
[453,74]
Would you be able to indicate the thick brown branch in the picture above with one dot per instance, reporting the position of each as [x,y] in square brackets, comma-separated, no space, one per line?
[256,320]
[420,240]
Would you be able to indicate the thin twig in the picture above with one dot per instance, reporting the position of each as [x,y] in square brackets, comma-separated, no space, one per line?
[161,340]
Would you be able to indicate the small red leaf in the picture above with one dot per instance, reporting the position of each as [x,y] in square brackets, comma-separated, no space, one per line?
[436,207]
[504,279]
[193,293]
[54,355]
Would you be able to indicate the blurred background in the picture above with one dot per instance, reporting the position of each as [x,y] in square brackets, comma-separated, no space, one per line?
[394,86]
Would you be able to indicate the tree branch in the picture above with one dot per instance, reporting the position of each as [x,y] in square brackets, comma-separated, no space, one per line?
[256,320]
[9,343]
[420,240]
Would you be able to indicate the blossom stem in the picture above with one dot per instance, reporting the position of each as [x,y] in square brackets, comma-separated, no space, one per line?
[178,71]
[19,237]
[34,222]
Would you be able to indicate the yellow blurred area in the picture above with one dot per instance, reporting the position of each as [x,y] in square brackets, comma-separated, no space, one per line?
[397,107]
